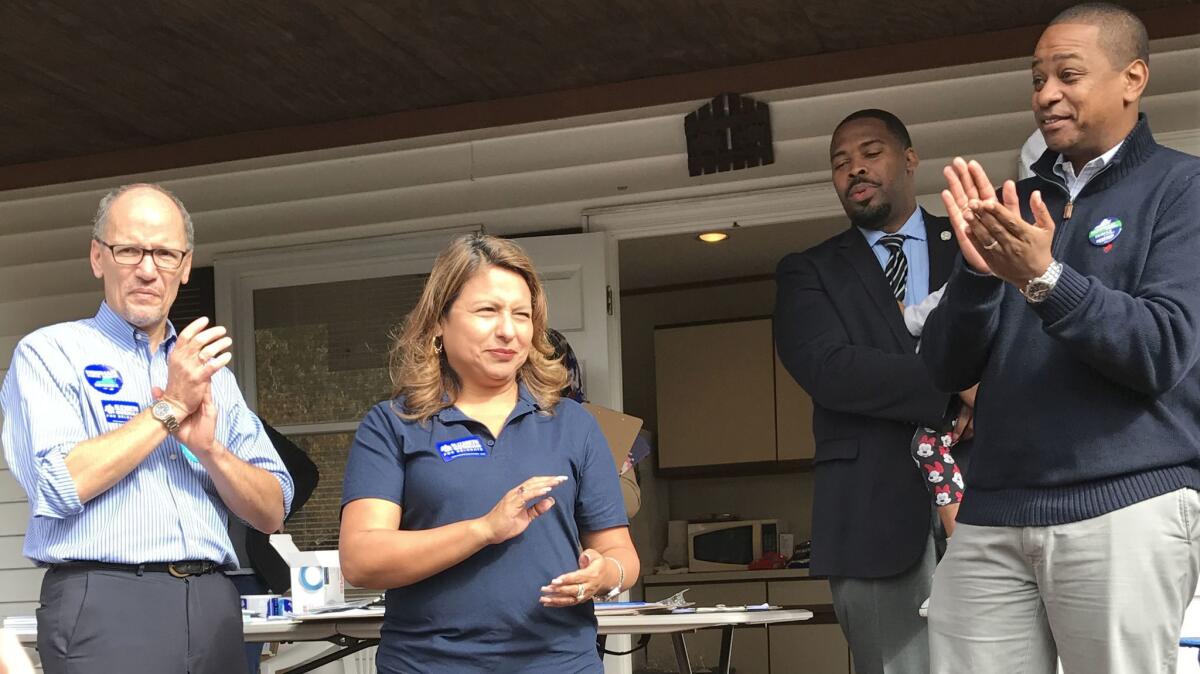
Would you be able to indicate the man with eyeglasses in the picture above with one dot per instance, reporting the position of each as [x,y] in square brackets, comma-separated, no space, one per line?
[134,444]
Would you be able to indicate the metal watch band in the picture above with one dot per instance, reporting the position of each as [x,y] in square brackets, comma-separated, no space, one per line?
[1038,289]
[167,418]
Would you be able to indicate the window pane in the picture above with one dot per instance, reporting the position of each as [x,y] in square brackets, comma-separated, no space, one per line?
[315,527]
[321,350]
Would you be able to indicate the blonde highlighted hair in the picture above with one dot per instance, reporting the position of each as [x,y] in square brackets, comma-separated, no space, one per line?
[419,370]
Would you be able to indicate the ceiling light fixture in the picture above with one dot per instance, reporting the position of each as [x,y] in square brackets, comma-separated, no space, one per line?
[712,237]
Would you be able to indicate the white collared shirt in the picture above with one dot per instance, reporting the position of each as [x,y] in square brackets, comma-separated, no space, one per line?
[1075,183]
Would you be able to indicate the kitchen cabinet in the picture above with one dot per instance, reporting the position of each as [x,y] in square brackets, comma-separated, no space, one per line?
[804,648]
[808,649]
[716,400]
[750,655]
[724,397]
[816,649]
[793,417]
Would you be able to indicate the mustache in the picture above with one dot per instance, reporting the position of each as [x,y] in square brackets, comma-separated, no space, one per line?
[855,182]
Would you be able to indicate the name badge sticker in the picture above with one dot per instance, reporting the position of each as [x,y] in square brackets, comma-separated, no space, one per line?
[471,445]
[1106,232]
[103,378]
[119,411]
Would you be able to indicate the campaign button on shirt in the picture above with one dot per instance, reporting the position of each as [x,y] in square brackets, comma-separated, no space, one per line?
[1106,232]
[119,411]
[457,449]
[103,378]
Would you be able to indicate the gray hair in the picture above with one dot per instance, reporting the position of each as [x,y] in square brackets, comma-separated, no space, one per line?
[101,219]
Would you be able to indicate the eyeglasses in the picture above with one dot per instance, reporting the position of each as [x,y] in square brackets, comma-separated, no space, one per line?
[164,258]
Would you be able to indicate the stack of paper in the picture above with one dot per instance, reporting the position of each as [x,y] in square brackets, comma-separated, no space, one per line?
[632,607]
[21,624]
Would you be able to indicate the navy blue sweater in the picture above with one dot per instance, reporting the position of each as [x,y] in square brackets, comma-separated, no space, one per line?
[1089,401]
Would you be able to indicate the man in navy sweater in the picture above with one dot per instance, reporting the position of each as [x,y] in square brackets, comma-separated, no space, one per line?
[1078,302]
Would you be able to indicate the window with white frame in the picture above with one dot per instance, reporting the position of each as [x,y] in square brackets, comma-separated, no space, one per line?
[312,333]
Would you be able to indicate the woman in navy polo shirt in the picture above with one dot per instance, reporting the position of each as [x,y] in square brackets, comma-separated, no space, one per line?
[486,502]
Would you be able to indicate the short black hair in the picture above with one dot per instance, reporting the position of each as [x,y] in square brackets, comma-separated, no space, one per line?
[1123,35]
[892,122]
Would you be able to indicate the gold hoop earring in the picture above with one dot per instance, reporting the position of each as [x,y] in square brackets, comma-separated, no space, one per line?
[437,344]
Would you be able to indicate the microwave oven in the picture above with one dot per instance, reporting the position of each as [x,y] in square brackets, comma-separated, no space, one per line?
[730,546]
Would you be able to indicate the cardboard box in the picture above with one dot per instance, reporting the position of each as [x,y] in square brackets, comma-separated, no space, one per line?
[620,430]
[316,575]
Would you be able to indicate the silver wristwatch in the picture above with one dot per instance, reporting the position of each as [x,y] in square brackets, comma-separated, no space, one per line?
[163,411]
[1038,289]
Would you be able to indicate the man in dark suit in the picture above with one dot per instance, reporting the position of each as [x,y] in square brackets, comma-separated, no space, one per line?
[840,332]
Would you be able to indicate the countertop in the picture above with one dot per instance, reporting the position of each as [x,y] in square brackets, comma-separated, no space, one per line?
[724,577]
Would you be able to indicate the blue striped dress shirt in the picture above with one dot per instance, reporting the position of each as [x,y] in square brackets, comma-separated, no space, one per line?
[74,381]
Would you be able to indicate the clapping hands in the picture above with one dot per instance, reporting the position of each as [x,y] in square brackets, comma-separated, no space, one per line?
[991,233]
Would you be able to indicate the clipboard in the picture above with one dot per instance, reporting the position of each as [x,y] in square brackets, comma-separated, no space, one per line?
[619,429]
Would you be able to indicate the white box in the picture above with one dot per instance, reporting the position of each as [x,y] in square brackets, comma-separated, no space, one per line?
[316,575]
[787,545]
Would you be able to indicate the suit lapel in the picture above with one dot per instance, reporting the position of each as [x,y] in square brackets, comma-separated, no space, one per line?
[941,251]
[855,250]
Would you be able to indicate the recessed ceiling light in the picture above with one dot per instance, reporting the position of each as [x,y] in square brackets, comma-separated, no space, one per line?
[712,237]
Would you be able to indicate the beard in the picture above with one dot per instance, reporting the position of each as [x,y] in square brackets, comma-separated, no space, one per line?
[871,217]
[143,317]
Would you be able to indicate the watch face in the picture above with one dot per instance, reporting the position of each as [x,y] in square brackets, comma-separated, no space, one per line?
[1037,292]
[161,409]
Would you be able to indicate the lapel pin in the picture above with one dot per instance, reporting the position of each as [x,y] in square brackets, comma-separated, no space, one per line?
[1103,234]
[946,235]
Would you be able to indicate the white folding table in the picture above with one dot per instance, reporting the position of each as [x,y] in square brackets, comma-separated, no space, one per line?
[355,630]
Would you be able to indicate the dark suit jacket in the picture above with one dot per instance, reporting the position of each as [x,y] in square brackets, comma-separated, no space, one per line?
[841,335]
[265,561]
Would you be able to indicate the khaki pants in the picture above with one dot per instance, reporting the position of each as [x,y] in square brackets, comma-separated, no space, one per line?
[1106,595]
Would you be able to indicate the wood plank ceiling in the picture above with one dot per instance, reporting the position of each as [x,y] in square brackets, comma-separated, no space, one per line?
[80,78]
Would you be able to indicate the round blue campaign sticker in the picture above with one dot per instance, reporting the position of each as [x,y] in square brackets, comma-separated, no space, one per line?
[103,378]
[1105,232]
[312,577]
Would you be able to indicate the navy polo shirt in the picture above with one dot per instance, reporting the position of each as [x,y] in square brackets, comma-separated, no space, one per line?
[483,615]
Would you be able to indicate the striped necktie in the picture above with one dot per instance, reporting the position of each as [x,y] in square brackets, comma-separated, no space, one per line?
[897,265]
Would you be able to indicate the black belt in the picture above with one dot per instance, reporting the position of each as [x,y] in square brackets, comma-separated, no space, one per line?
[177,569]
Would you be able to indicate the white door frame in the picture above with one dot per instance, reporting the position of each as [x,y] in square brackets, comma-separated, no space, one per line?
[768,206]
[813,198]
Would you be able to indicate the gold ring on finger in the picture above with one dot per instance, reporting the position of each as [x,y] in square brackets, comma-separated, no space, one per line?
[579,594]
[989,246]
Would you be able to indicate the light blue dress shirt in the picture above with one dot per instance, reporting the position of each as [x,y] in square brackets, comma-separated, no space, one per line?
[1075,183]
[915,249]
[74,381]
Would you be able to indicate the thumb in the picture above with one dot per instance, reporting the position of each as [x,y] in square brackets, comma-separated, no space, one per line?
[585,560]
[156,392]
[1041,214]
